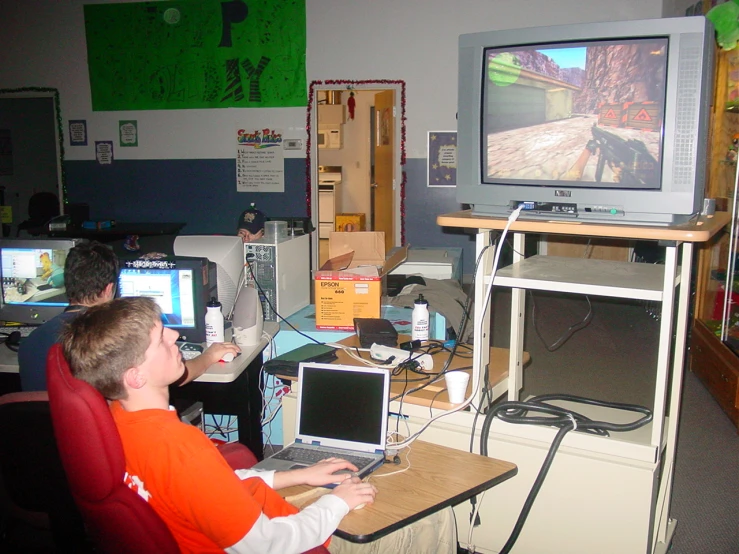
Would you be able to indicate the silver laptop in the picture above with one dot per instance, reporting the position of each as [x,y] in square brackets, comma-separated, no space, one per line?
[342,412]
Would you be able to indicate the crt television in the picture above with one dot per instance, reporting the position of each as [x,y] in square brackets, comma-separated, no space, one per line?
[32,279]
[598,121]
[180,285]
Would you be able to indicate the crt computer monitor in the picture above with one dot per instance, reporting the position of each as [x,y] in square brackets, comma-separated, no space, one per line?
[597,121]
[180,285]
[227,252]
[32,279]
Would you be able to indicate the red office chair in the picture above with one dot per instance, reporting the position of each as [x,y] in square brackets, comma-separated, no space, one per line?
[118,520]
[92,455]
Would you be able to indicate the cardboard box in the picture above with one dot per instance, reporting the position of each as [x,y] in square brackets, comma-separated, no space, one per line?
[351,283]
[611,114]
[346,223]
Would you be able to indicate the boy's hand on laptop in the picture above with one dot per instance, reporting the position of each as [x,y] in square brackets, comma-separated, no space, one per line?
[355,492]
[324,472]
[317,475]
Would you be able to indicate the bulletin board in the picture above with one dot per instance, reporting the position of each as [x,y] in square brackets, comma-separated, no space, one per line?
[195,54]
[442,160]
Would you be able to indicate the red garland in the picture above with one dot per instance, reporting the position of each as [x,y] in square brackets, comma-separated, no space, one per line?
[311,94]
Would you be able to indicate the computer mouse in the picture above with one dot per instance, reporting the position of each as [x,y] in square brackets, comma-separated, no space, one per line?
[228,357]
[359,506]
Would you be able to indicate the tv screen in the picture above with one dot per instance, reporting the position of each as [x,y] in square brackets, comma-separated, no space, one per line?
[32,279]
[588,113]
[603,122]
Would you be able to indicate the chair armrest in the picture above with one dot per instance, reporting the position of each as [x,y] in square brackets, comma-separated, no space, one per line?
[237,455]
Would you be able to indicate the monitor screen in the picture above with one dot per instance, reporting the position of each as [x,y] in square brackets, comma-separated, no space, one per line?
[181,286]
[32,279]
[588,113]
[173,290]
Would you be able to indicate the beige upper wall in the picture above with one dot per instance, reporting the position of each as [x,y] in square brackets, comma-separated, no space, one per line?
[676,8]
[411,40]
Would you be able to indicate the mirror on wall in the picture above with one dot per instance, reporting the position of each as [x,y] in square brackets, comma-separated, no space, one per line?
[31,153]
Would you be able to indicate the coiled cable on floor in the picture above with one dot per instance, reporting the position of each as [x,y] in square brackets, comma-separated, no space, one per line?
[565,420]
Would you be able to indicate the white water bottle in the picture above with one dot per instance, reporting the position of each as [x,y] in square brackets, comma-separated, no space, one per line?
[420,319]
[213,322]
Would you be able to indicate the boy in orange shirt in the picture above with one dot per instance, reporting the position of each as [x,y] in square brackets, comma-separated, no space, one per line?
[174,466]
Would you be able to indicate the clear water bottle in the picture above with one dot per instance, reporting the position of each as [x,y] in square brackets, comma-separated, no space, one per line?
[213,322]
[420,319]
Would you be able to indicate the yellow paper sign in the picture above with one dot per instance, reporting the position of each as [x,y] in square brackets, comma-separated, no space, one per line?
[6,214]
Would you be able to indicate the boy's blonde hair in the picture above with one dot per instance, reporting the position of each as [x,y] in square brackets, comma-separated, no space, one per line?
[106,340]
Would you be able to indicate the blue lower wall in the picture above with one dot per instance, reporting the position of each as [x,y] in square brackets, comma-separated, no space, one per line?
[202,193]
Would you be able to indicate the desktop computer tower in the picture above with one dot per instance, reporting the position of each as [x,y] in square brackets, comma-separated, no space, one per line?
[281,268]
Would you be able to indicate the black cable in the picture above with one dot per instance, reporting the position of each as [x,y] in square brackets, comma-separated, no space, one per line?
[266,298]
[462,325]
[568,334]
[565,420]
[573,328]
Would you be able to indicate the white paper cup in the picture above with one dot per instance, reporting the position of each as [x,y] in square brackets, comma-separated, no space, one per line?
[456,385]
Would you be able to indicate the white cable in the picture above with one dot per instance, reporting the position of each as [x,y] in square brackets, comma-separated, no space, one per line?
[352,353]
[478,332]
[470,546]
[345,347]
[272,415]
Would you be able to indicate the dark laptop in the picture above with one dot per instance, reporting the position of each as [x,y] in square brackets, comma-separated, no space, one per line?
[342,412]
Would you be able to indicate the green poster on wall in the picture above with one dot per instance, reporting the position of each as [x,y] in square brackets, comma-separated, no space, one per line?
[196,54]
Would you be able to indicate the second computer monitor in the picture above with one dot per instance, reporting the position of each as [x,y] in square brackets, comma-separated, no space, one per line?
[227,252]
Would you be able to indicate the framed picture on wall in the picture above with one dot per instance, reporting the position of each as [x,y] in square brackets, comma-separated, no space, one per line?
[442,159]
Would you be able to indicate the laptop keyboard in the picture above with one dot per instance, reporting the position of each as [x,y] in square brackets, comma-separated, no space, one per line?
[311,456]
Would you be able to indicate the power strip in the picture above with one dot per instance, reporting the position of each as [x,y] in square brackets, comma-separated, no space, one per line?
[381,353]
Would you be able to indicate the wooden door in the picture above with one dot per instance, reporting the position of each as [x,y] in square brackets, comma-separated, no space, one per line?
[384,215]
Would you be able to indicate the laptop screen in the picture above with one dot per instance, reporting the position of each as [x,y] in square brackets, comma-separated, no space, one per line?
[344,405]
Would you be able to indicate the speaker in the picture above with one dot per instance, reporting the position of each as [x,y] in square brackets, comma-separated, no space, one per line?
[248,318]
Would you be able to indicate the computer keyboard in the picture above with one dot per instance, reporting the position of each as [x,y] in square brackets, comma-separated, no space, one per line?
[311,456]
[25,330]
[190,350]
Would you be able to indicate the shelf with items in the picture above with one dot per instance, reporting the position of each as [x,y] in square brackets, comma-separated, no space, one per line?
[714,342]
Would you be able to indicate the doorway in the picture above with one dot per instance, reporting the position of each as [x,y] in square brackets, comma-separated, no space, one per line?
[356,131]
[31,151]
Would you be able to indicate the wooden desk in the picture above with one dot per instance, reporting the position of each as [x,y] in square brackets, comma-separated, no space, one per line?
[699,230]
[438,477]
[435,394]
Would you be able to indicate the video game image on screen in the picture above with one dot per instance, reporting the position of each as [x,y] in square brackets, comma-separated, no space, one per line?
[588,113]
